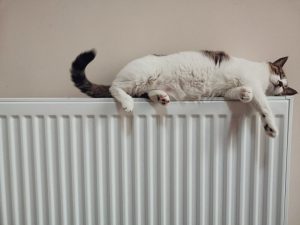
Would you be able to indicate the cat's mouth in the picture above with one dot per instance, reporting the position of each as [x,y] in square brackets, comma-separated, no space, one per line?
[279,84]
[278,87]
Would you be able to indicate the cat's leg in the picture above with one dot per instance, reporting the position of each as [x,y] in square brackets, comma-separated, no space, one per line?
[121,96]
[260,102]
[159,96]
[242,93]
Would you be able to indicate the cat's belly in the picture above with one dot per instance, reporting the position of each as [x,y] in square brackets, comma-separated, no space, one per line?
[183,87]
[195,89]
[184,90]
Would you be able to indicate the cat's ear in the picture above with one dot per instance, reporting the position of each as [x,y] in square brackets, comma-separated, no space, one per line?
[280,62]
[289,91]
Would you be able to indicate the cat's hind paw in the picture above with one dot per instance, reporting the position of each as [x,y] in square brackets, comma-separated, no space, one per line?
[246,94]
[159,96]
[163,99]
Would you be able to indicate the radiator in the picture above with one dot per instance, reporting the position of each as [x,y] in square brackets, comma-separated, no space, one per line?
[85,161]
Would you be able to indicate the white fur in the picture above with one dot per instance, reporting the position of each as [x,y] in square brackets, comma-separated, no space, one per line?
[191,75]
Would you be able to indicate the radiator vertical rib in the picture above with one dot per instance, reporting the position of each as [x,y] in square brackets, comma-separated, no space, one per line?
[195,163]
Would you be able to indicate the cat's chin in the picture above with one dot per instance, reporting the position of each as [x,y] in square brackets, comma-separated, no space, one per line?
[274,90]
[278,91]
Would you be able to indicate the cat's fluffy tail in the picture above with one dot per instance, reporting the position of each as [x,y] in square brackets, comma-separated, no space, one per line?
[79,78]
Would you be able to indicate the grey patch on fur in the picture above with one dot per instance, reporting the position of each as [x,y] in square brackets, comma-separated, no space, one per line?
[89,88]
[80,80]
[217,56]
[276,70]
[280,62]
[289,91]
[276,67]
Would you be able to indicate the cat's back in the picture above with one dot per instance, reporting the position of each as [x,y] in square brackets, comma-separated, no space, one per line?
[182,60]
[186,58]
[211,62]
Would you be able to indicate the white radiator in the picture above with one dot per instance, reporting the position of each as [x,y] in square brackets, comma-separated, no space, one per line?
[84,161]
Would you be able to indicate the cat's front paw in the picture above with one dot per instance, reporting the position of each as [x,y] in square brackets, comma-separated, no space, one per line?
[270,130]
[270,127]
[127,105]
[246,94]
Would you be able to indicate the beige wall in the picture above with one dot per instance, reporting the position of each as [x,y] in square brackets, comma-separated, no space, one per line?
[39,39]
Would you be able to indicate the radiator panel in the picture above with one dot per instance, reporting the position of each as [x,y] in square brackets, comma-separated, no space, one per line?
[87,162]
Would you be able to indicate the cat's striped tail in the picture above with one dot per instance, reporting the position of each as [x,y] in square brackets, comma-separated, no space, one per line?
[79,78]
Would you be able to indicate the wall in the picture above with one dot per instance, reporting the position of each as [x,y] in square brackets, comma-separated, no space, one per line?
[39,39]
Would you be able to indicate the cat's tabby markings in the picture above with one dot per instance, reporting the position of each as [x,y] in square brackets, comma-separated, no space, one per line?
[217,56]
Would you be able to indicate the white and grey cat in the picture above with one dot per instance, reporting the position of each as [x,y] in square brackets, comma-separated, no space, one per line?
[190,76]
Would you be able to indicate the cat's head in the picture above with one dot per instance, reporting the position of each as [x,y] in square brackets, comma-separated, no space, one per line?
[278,80]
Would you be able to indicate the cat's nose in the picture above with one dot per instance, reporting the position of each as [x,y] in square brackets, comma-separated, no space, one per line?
[280,84]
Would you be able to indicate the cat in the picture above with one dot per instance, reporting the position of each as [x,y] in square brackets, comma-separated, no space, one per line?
[191,75]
